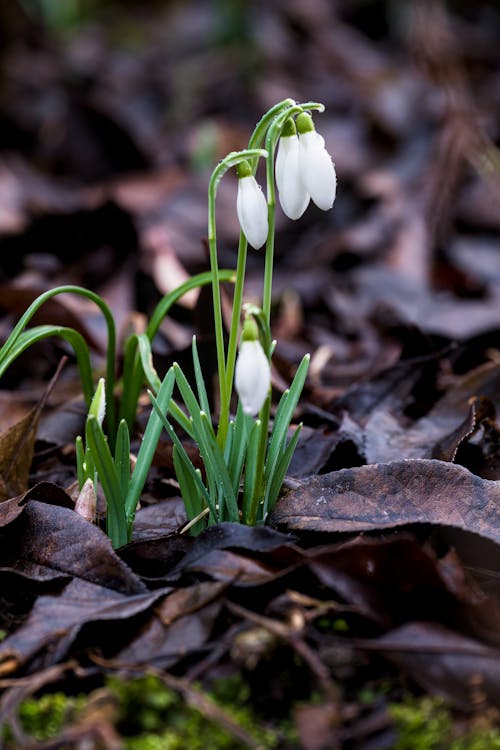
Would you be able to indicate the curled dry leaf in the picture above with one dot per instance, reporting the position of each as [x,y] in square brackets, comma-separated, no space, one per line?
[380,496]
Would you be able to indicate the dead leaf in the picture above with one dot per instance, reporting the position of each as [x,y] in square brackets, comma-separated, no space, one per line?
[445,663]
[16,455]
[380,496]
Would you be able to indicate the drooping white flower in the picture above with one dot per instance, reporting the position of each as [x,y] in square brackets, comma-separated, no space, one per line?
[293,195]
[252,376]
[316,166]
[251,207]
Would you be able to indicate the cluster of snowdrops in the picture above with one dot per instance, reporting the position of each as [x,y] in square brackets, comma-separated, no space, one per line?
[245,453]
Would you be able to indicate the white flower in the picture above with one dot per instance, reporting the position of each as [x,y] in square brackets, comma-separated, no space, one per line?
[293,195]
[251,206]
[252,376]
[317,170]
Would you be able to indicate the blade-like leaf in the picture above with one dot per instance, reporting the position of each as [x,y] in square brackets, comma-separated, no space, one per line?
[274,485]
[249,511]
[200,383]
[190,492]
[148,446]
[217,466]
[116,521]
[122,457]
[238,449]
[284,413]
[182,453]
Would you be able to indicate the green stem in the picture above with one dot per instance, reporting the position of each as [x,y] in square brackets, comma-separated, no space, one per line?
[255,141]
[273,133]
[232,346]
[262,126]
[231,160]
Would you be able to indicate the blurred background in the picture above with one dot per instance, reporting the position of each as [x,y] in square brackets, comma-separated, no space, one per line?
[113,114]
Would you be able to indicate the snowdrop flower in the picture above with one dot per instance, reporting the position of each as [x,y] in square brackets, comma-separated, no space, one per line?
[252,376]
[293,195]
[316,167]
[251,207]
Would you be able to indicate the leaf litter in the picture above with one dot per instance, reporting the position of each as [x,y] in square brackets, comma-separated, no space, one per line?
[381,559]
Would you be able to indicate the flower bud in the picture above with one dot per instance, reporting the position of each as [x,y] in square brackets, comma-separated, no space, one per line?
[98,405]
[251,207]
[316,167]
[252,376]
[86,502]
[293,195]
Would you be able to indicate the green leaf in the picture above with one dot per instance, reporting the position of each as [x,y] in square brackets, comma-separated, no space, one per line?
[80,462]
[250,497]
[182,420]
[182,453]
[33,335]
[146,356]
[215,464]
[238,449]
[200,383]
[274,486]
[85,368]
[108,477]
[284,413]
[190,491]
[98,404]
[122,457]
[148,446]
[194,408]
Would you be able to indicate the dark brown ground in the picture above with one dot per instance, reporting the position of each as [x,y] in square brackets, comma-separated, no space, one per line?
[110,122]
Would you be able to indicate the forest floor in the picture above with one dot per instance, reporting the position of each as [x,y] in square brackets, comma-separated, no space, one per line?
[365,614]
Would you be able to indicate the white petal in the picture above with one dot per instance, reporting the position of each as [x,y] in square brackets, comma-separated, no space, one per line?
[251,207]
[293,196]
[317,170]
[252,376]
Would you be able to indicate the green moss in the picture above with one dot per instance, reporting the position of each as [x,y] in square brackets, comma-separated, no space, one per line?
[427,724]
[44,717]
[153,717]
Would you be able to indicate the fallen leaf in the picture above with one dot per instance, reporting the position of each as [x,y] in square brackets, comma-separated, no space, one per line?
[381,496]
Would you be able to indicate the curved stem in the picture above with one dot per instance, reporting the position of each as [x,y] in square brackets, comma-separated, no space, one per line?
[255,141]
[273,133]
[231,160]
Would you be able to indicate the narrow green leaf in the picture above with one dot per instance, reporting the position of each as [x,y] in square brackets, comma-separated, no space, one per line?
[216,464]
[284,413]
[98,404]
[250,497]
[148,446]
[192,404]
[108,477]
[190,492]
[80,462]
[200,383]
[182,420]
[274,486]
[122,457]
[146,356]
[75,339]
[238,449]
[182,453]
